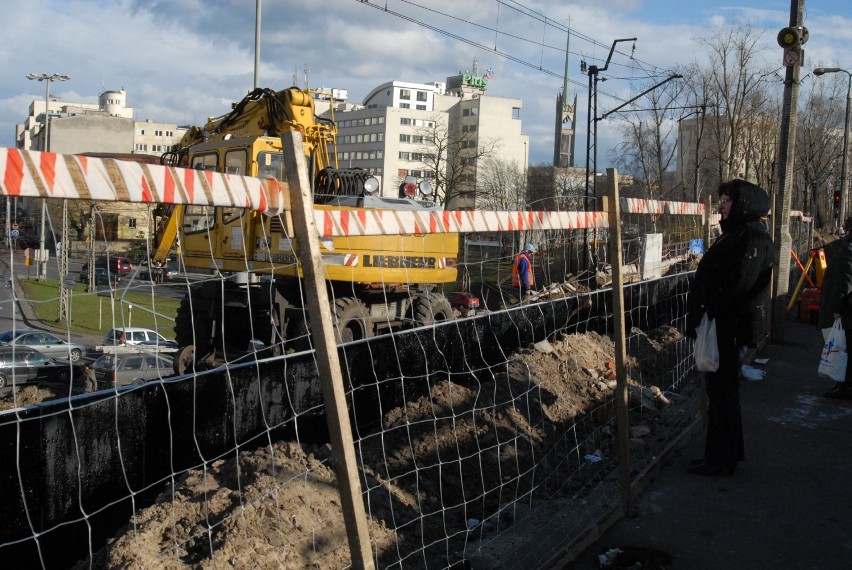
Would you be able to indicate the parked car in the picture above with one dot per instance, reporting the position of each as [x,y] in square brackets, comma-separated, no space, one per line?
[102,276]
[21,365]
[112,370]
[134,336]
[115,266]
[158,273]
[462,300]
[46,343]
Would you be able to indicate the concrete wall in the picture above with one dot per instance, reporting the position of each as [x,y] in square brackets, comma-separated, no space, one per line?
[91,133]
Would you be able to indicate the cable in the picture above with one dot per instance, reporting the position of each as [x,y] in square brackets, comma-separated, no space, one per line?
[481,46]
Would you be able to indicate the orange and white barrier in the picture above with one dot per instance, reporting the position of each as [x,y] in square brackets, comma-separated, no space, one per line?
[49,175]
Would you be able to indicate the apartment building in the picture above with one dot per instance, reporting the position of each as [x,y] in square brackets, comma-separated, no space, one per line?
[392,133]
[105,127]
[108,126]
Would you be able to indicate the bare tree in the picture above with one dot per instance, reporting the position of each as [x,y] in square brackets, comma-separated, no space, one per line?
[819,148]
[501,185]
[649,141]
[454,155]
[733,80]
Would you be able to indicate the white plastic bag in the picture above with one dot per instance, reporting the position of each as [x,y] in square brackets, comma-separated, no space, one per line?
[832,363]
[706,348]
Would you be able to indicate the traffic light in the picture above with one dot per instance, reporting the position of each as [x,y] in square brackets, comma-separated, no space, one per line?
[837,199]
[793,37]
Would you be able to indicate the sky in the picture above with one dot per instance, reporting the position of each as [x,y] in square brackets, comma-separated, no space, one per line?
[183,61]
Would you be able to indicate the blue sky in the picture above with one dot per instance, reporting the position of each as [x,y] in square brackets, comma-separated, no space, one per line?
[184,60]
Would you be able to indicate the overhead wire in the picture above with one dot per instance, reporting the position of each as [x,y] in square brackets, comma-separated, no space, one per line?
[494,50]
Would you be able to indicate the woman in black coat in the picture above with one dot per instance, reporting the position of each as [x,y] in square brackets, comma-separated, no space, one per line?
[732,285]
[836,298]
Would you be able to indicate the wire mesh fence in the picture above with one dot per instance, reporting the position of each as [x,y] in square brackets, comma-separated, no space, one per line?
[484,423]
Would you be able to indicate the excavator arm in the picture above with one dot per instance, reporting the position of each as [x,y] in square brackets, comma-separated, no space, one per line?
[167,232]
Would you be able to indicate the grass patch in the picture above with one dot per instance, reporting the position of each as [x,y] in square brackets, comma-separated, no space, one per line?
[94,315]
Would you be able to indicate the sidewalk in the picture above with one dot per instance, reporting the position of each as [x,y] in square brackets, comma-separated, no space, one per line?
[25,309]
[789,505]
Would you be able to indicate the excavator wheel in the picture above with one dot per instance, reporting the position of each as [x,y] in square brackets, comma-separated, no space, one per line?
[184,360]
[432,308]
[193,314]
[351,320]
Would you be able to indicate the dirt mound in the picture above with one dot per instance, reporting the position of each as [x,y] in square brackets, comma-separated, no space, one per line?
[439,469]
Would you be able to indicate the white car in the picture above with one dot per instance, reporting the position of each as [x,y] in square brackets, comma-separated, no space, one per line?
[133,335]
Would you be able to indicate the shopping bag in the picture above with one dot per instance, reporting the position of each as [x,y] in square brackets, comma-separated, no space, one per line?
[832,362]
[706,348]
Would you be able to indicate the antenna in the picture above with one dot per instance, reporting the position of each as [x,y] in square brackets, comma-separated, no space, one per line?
[475,67]
[307,76]
[295,74]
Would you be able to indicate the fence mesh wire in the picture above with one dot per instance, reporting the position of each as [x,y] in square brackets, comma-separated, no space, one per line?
[485,434]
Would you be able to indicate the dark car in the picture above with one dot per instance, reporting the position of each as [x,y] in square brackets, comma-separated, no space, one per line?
[122,369]
[116,267]
[463,301]
[27,366]
[102,276]
[158,274]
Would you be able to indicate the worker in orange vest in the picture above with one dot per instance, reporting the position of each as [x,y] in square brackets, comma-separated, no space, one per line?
[522,271]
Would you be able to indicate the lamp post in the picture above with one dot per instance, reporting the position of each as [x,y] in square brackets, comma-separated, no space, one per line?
[45,146]
[844,163]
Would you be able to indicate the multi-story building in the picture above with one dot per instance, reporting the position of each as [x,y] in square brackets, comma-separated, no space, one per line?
[105,127]
[435,131]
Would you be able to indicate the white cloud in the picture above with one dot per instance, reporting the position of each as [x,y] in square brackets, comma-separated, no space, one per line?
[185,60]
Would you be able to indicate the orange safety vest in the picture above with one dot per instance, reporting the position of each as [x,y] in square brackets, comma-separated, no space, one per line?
[516,274]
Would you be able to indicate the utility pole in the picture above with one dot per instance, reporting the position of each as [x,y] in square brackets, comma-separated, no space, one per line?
[790,39]
[62,251]
[257,10]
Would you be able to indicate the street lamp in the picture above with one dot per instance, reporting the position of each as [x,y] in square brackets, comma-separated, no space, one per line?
[844,164]
[45,146]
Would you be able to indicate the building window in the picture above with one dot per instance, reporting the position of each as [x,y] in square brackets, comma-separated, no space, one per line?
[158,133]
[404,106]
[140,132]
[405,138]
[516,112]
[421,107]
[404,156]
[140,146]
[405,94]
[131,223]
[404,121]
[402,172]
[421,96]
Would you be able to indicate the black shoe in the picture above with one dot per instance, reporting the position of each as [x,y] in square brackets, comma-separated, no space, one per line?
[840,391]
[711,470]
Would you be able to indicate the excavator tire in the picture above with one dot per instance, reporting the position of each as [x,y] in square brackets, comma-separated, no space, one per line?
[432,308]
[351,320]
[193,314]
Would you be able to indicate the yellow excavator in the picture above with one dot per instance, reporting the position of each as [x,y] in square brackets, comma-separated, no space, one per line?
[376,283]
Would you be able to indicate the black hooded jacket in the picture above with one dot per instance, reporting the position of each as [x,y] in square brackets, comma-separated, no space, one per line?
[733,280]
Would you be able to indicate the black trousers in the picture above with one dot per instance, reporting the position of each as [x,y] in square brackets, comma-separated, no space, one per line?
[724,445]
